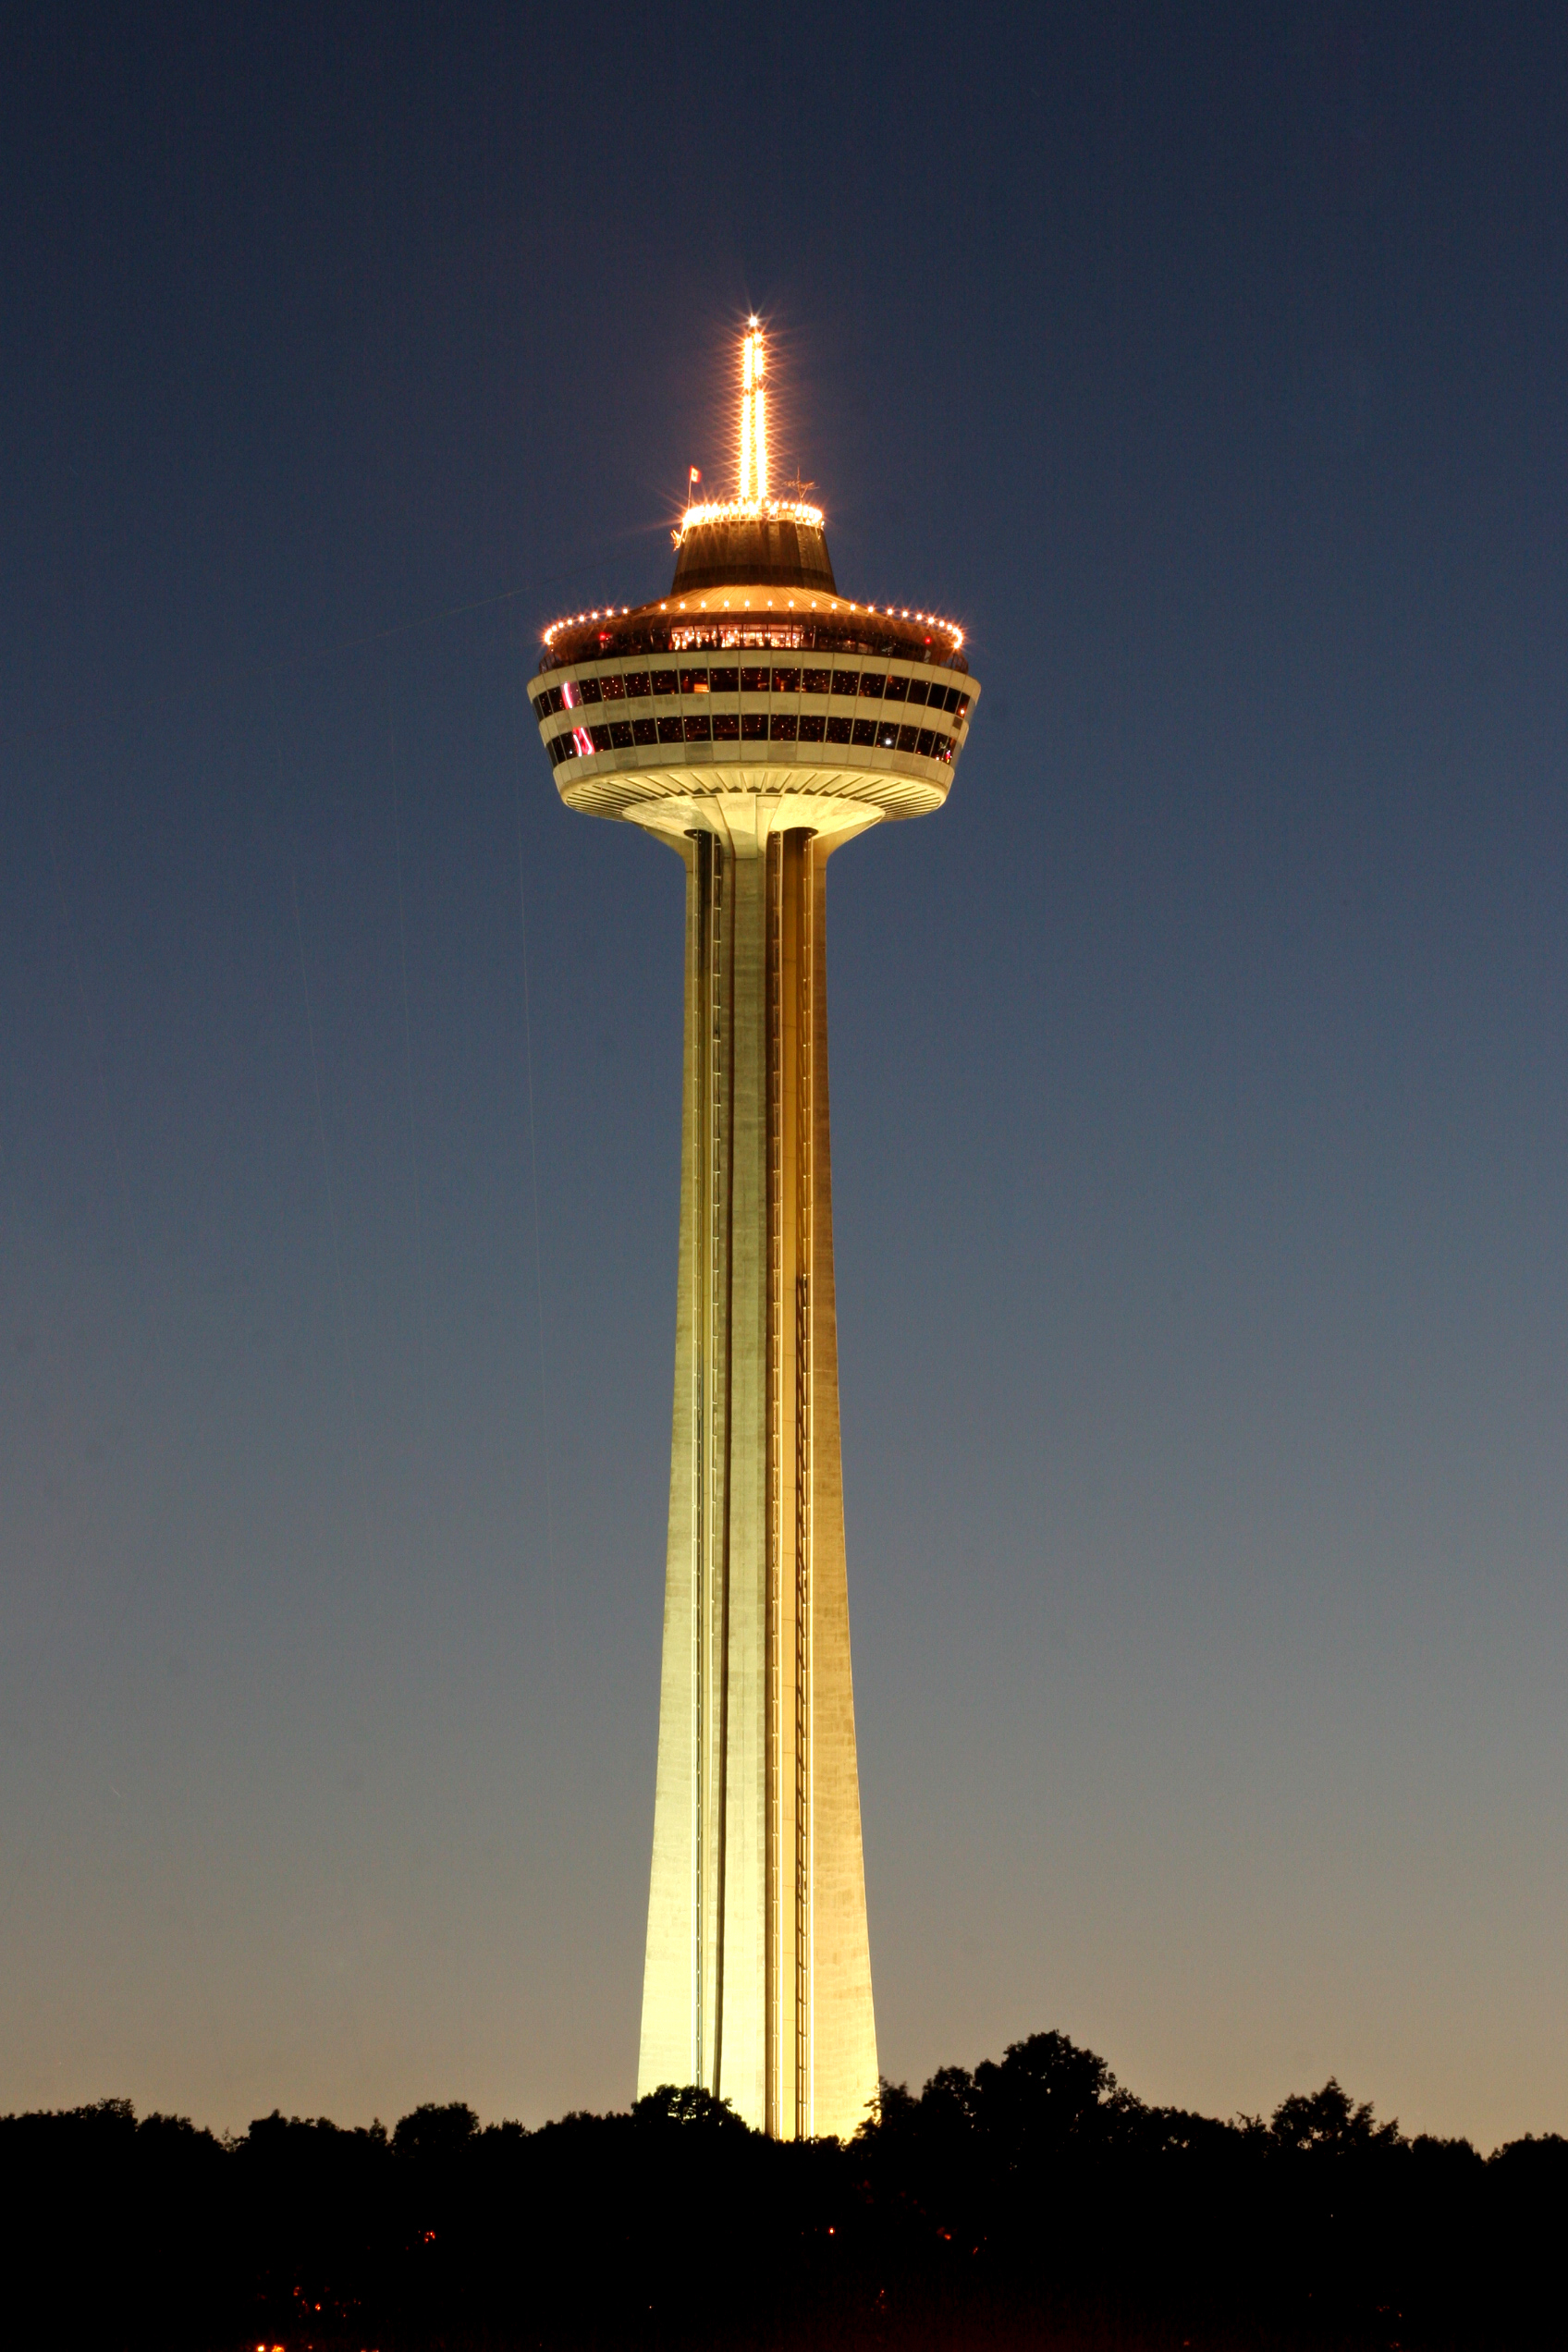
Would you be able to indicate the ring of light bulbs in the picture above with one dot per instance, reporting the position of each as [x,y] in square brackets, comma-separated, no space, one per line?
[881,612]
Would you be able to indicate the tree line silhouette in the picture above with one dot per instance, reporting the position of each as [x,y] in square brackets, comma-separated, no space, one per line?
[1032,2201]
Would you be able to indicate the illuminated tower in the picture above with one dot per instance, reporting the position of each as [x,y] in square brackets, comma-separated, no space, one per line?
[756,719]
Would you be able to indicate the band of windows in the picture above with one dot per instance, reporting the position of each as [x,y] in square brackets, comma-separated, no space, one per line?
[845,685]
[749,727]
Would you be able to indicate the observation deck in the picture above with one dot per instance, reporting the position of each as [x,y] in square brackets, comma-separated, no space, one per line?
[670,713]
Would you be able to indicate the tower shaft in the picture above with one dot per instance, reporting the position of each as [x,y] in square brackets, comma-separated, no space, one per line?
[757,1982]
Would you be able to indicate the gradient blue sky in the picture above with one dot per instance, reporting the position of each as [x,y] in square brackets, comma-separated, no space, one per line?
[1198,1074]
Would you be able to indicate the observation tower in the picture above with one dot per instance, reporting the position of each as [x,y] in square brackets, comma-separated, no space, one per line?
[754,720]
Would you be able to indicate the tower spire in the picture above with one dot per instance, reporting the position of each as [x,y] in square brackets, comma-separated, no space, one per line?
[753,414]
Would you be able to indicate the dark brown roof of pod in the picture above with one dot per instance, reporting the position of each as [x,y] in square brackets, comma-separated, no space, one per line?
[765,551]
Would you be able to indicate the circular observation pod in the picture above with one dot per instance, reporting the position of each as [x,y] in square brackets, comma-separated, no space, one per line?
[749,709]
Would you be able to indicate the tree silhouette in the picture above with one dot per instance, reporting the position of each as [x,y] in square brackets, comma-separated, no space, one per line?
[1328,2119]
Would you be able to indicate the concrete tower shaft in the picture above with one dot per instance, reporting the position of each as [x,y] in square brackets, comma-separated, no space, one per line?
[758,1972]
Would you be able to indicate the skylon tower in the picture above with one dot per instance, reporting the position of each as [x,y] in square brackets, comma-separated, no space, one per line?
[754,720]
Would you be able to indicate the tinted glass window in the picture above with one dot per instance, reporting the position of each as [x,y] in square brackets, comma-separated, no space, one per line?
[601,735]
[815,681]
[725,681]
[754,727]
[783,729]
[866,731]
[785,682]
[642,730]
[754,681]
[613,689]
[871,681]
[565,748]
[887,737]
[925,743]
[636,682]
[698,730]
[906,738]
[838,730]
[918,689]
[846,681]
[671,731]
[620,735]
[664,682]
[811,730]
[589,689]
[945,750]
[962,705]
[897,688]
[725,728]
[949,698]
[694,681]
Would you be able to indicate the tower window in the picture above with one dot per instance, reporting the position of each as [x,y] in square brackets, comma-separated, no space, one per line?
[783,729]
[698,730]
[846,681]
[897,688]
[754,681]
[694,681]
[816,681]
[866,731]
[643,731]
[906,738]
[664,682]
[871,681]
[620,735]
[811,730]
[726,727]
[588,690]
[613,687]
[838,730]
[636,682]
[918,689]
[926,743]
[785,682]
[671,731]
[725,681]
[754,727]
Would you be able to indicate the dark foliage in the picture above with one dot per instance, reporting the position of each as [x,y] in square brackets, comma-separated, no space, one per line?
[1031,2202]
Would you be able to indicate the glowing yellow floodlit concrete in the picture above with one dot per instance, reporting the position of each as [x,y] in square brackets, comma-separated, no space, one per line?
[754,720]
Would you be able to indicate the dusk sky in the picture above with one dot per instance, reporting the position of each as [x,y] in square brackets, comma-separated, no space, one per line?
[1199,1073]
